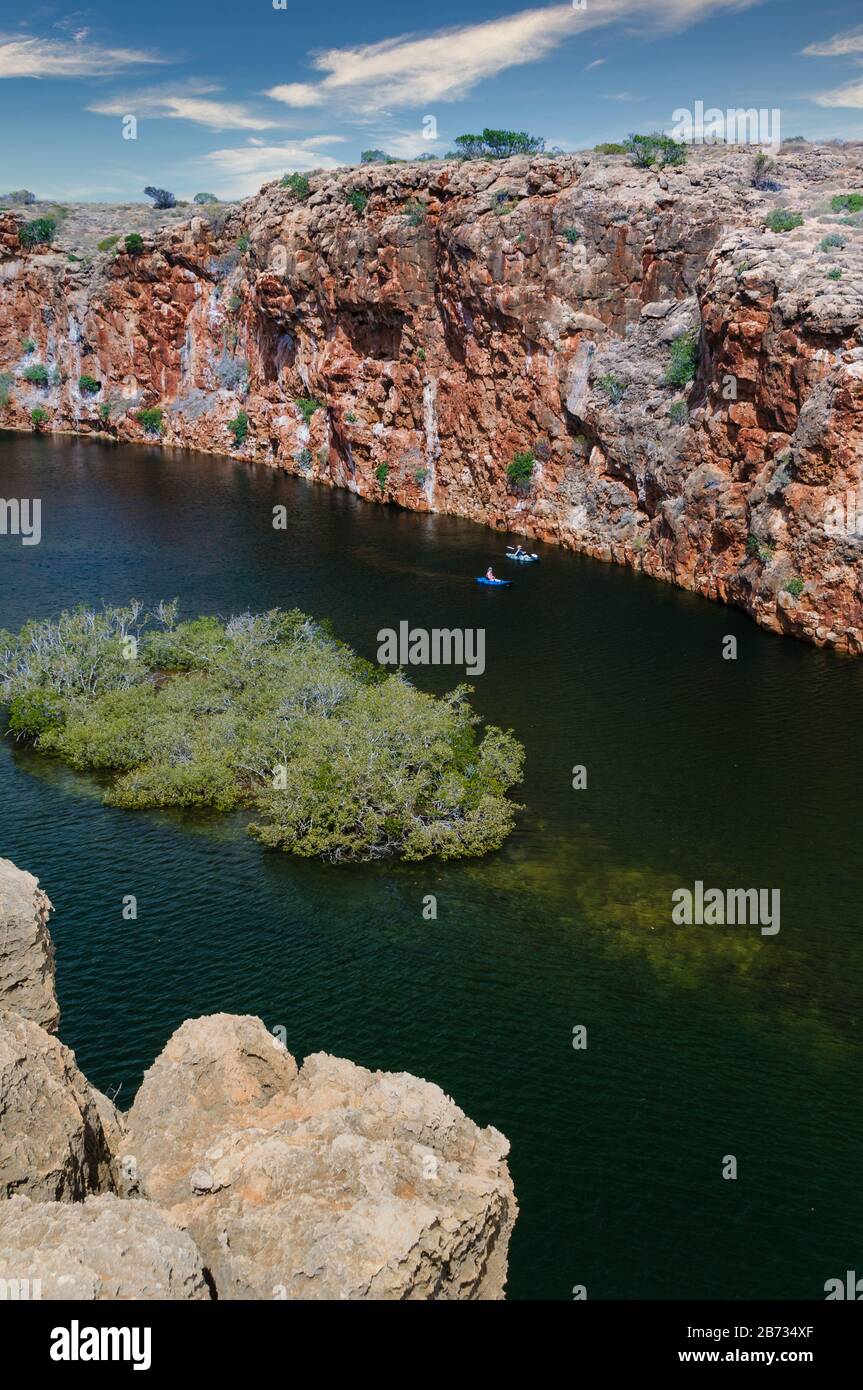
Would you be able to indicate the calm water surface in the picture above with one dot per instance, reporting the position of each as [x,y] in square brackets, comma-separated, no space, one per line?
[702,1041]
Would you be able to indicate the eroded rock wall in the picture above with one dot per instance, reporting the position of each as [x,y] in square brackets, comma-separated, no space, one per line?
[469,312]
[27,982]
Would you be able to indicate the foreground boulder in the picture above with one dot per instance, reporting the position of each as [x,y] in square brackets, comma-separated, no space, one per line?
[102,1248]
[326,1182]
[26,949]
[55,1129]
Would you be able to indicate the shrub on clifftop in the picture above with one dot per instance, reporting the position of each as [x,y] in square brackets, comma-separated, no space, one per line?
[496,144]
[161,197]
[783,221]
[763,168]
[645,151]
[298,184]
[40,232]
[847,202]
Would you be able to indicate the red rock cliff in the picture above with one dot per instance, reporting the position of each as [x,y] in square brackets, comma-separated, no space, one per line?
[470,312]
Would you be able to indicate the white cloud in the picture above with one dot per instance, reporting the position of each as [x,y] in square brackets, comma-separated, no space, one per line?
[405,144]
[235,173]
[190,104]
[620,96]
[849,95]
[597,63]
[446,65]
[297,94]
[840,46]
[315,140]
[24,56]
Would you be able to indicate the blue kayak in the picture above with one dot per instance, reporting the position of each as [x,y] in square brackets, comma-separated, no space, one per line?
[493,583]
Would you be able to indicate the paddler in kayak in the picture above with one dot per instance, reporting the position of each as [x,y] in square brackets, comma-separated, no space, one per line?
[490,575]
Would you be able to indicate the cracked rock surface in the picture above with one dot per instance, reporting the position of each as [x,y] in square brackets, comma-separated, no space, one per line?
[329,1181]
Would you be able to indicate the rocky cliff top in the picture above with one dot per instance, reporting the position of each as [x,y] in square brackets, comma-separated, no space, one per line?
[238,1173]
[724,170]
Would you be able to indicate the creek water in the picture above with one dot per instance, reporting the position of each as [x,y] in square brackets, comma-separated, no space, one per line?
[702,1041]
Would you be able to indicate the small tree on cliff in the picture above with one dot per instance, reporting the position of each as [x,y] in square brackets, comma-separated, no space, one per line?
[763,169]
[496,144]
[161,197]
[645,151]
[520,471]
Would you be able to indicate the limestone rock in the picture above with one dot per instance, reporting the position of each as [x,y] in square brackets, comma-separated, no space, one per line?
[327,1182]
[102,1248]
[53,1140]
[26,948]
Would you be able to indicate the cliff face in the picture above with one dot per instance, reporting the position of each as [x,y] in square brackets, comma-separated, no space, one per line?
[27,982]
[470,312]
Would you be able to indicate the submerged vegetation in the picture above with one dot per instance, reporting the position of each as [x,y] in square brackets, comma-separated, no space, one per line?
[337,758]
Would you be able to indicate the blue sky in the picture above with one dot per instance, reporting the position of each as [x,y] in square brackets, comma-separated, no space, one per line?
[226,97]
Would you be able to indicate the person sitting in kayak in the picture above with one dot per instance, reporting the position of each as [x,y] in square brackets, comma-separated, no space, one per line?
[519,552]
[490,575]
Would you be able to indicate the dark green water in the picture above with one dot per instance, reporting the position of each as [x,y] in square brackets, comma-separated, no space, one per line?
[703,1041]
